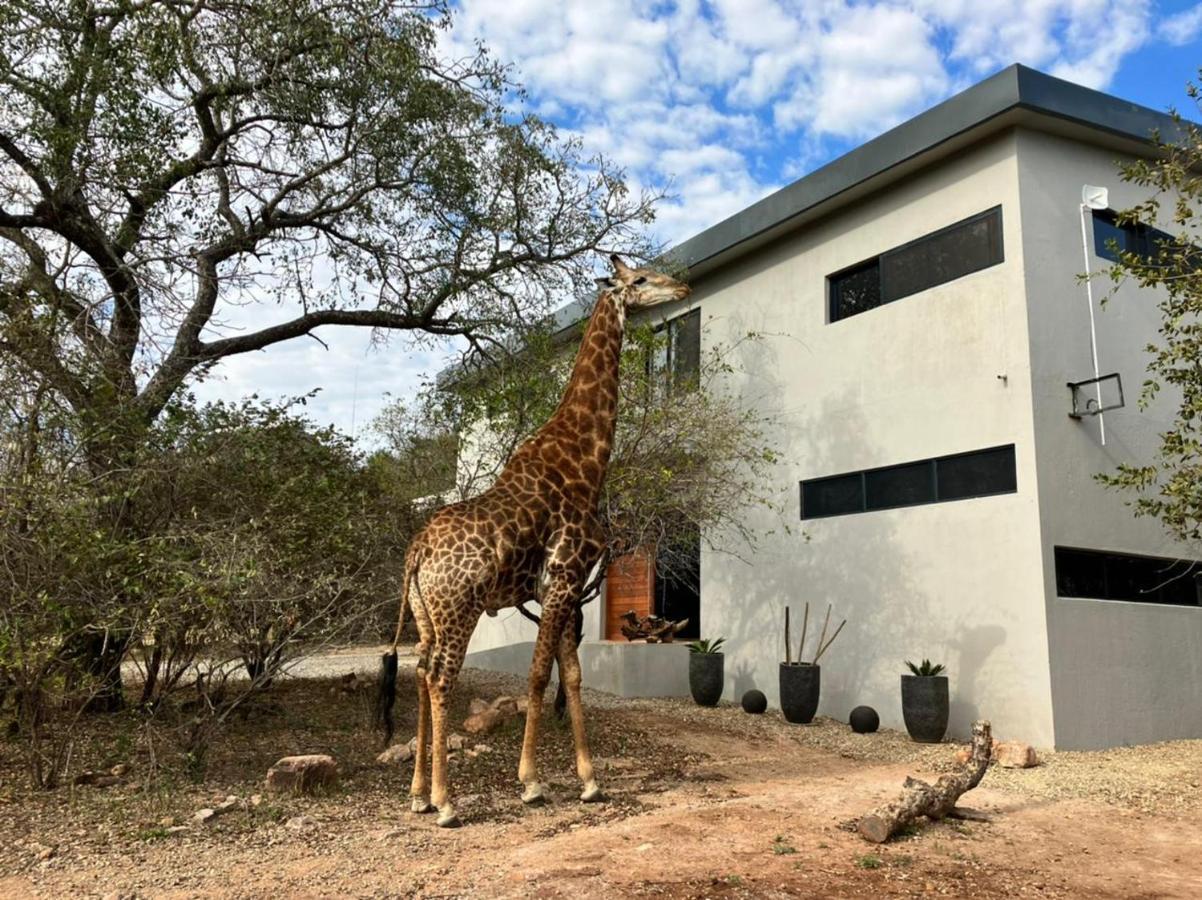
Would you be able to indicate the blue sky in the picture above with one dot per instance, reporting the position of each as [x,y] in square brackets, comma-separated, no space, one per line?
[726,101]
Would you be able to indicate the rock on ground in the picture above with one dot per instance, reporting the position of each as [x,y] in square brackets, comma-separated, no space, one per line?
[1015,755]
[395,755]
[301,774]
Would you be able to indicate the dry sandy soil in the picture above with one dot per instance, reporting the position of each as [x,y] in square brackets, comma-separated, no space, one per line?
[703,803]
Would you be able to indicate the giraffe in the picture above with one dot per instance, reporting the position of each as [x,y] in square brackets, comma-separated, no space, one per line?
[533,535]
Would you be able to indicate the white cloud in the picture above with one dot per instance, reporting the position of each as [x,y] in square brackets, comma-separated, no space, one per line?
[1182,28]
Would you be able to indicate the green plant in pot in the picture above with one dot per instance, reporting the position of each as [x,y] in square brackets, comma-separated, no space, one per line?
[801,682]
[925,701]
[706,671]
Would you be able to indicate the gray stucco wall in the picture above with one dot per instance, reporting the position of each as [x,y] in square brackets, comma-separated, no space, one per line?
[1125,673]
[1120,672]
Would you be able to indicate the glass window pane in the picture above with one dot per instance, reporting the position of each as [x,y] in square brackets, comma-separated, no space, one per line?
[855,291]
[977,474]
[832,496]
[685,336]
[941,257]
[1080,573]
[1108,237]
[899,486]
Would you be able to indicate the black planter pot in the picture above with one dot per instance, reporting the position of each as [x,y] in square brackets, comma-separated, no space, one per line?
[925,707]
[799,688]
[705,677]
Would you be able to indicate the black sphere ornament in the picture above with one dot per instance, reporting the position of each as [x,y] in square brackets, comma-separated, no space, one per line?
[754,702]
[864,720]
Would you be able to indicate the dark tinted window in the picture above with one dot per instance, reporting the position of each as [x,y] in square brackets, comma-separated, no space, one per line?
[1119,576]
[963,248]
[855,290]
[977,474]
[899,486]
[832,496]
[684,336]
[1110,238]
[943,256]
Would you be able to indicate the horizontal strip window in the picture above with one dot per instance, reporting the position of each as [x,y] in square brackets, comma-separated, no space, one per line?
[1110,239]
[1096,575]
[945,255]
[981,473]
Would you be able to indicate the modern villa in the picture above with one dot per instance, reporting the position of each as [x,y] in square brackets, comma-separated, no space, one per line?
[927,324]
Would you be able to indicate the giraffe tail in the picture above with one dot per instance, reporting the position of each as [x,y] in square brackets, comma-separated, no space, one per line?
[386,693]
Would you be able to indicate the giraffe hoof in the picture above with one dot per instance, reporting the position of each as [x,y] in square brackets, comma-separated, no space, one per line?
[418,805]
[592,794]
[533,795]
[448,819]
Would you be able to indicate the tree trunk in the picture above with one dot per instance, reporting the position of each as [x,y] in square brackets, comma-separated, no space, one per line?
[933,801]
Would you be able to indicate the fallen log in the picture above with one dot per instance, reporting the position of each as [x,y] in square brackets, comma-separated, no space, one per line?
[652,629]
[935,801]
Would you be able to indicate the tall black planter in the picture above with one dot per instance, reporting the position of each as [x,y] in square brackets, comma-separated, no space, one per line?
[925,707]
[799,688]
[705,677]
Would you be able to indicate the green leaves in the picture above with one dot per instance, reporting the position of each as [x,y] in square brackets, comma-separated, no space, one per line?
[706,645]
[927,669]
[1167,486]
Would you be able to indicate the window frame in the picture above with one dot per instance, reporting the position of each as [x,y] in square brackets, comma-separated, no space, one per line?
[1106,558]
[1139,238]
[933,465]
[833,278]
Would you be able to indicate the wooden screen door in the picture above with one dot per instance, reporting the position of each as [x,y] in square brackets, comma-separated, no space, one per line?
[629,585]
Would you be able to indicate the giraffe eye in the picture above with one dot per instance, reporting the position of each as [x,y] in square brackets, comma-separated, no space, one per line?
[642,279]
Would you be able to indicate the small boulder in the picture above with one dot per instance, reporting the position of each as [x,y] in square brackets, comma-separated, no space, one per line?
[204,816]
[963,755]
[523,705]
[395,755]
[301,823]
[506,706]
[456,742]
[482,722]
[477,706]
[300,774]
[120,770]
[1015,755]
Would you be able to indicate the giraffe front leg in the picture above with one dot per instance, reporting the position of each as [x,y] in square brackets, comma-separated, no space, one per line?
[545,647]
[569,672]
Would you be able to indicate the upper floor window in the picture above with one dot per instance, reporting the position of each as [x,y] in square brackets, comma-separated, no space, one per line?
[960,249]
[678,354]
[979,473]
[1111,238]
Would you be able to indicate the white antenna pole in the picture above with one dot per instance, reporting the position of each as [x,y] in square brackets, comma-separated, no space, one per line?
[1093,332]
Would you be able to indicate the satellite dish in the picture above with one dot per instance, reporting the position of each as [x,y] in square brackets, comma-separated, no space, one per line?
[1095,197]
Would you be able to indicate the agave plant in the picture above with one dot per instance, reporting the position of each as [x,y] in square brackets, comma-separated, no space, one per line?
[927,669]
[706,645]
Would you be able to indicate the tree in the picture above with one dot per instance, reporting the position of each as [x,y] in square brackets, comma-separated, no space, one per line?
[1169,487]
[162,163]
[166,166]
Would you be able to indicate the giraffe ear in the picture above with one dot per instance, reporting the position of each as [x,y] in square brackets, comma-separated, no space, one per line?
[620,267]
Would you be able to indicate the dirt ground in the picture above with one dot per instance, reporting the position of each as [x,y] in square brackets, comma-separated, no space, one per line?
[702,803]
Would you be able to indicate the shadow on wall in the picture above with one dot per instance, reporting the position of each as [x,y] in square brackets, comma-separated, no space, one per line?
[858,563]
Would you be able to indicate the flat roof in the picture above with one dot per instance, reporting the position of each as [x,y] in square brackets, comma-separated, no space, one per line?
[1015,95]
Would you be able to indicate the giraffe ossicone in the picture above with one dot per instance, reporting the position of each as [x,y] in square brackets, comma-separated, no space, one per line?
[533,535]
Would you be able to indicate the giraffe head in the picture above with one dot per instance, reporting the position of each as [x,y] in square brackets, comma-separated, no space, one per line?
[642,287]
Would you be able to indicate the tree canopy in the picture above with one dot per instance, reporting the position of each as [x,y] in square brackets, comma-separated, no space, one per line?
[165,164]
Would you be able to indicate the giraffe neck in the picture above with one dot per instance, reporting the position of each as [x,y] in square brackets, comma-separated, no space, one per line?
[589,406]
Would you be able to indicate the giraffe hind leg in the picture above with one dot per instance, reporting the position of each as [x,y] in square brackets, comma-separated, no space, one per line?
[569,673]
